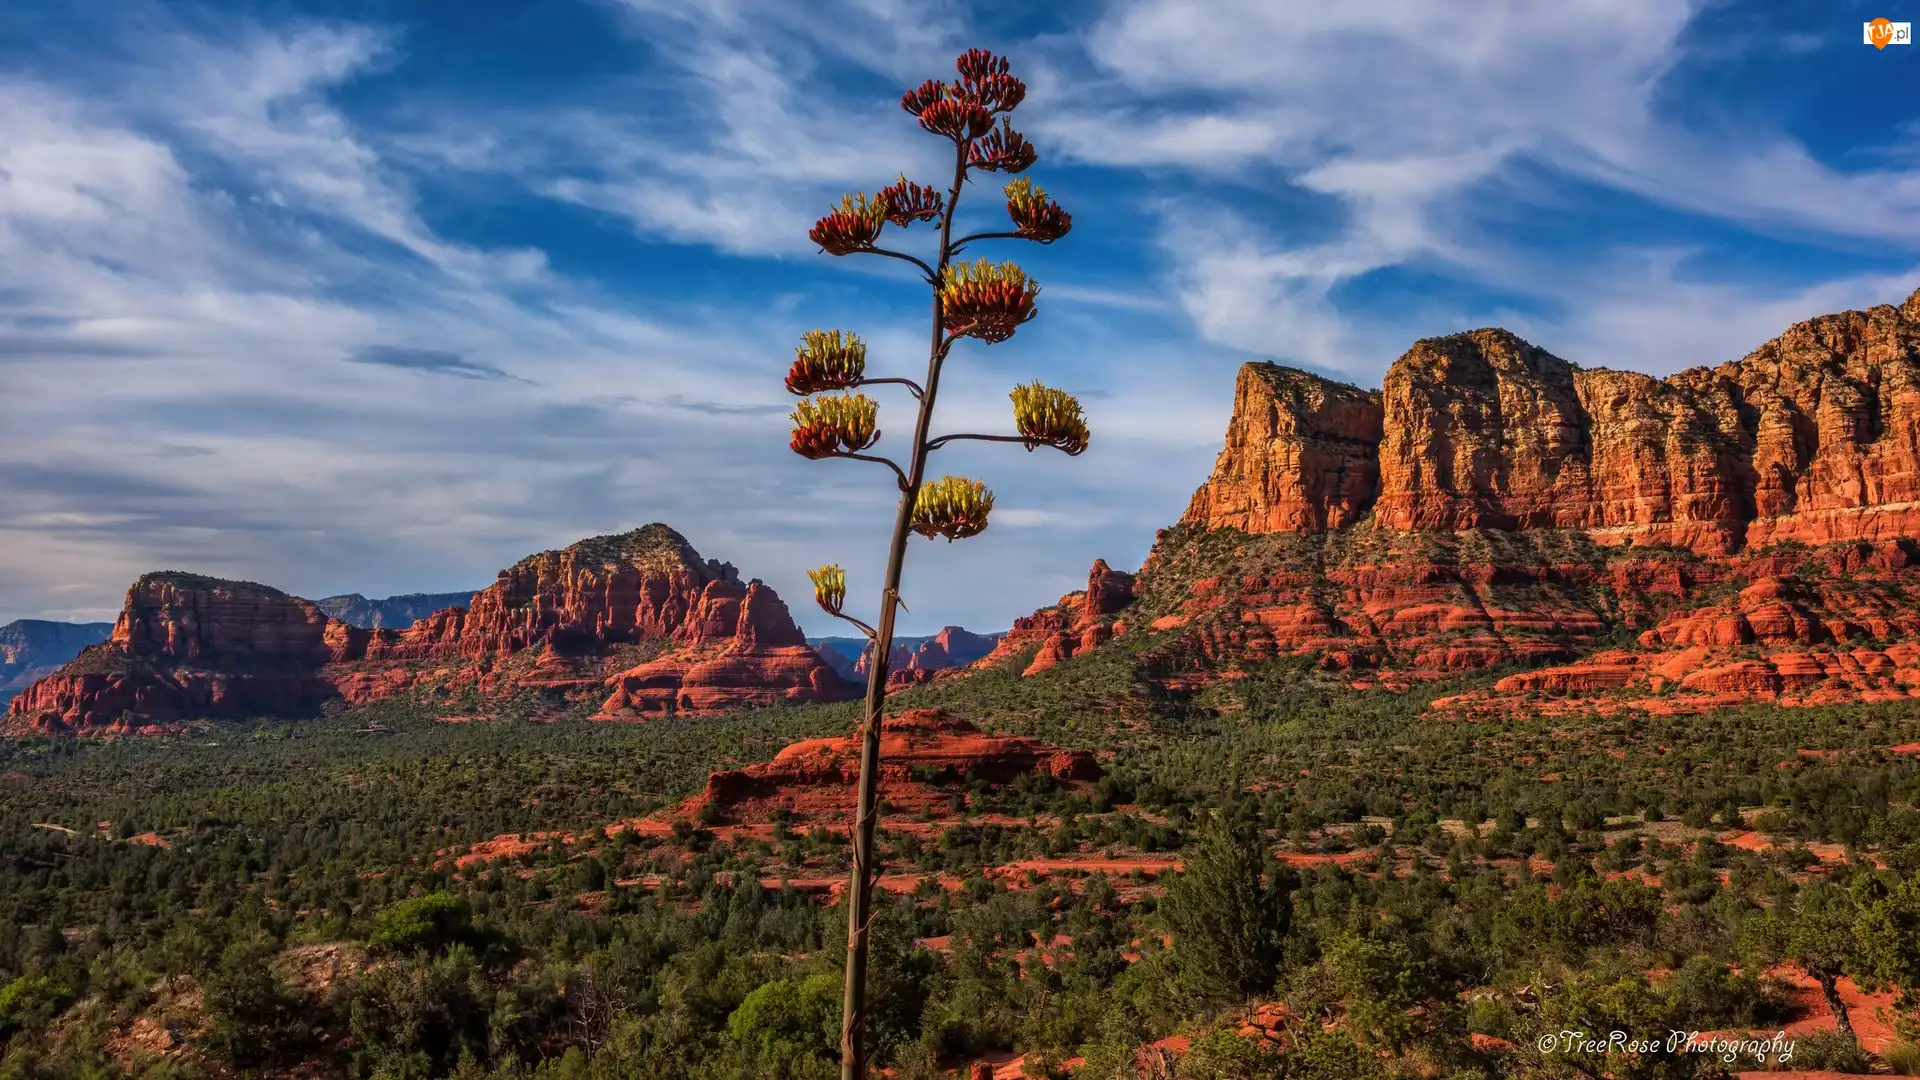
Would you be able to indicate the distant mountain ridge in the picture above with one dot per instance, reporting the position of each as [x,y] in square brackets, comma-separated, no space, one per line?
[395,612]
[31,648]
[914,658]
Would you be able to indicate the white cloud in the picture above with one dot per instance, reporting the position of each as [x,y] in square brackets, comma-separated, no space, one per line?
[1407,115]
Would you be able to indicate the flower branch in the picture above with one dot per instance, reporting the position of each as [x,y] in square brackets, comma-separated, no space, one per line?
[878,460]
[961,243]
[912,387]
[925,270]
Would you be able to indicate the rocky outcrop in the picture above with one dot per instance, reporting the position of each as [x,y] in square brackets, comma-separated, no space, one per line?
[395,612]
[187,646]
[33,648]
[738,648]
[927,759]
[1525,511]
[1395,604]
[1839,623]
[638,616]
[1814,437]
[1301,455]
[1079,622]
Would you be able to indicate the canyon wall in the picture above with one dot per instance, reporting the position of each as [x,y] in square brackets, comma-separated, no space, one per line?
[1724,535]
[1814,437]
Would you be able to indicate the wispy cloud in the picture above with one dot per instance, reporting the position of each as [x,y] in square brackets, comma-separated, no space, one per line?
[430,361]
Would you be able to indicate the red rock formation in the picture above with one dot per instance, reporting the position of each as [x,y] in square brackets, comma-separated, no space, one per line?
[1837,624]
[1079,622]
[191,647]
[31,649]
[952,647]
[1108,591]
[740,649]
[1523,510]
[927,757]
[1815,437]
[1301,455]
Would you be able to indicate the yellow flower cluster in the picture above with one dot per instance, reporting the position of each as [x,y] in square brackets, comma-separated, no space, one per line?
[824,426]
[986,300]
[1035,216]
[829,588]
[952,506]
[1048,417]
[827,360]
[851,226]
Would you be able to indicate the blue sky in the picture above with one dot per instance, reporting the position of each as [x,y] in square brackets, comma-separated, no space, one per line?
[381,296]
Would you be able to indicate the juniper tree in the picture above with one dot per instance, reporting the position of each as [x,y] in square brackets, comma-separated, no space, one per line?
[979,299]
[1230,910]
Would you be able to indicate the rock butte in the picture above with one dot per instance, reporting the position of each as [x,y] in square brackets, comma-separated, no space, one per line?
[926,758]
[639,619]
[1747,529]
[1079,622]
[1814,437]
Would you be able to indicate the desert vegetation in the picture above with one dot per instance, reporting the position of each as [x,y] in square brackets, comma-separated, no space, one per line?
[1275,876]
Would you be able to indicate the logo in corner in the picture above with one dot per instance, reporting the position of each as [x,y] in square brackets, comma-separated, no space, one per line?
[1881,33]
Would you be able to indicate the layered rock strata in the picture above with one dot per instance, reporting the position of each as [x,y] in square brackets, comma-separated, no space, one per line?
[1814,437]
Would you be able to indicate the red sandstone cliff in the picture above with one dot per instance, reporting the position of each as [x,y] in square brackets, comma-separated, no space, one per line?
[1815,437]
[1079,622]
[572,621]
[1496,504]
[1302,455]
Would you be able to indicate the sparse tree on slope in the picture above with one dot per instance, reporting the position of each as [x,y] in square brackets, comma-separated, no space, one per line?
[982,300]
[1230,910]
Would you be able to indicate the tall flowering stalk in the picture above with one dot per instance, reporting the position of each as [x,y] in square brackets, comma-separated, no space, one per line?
[981,299]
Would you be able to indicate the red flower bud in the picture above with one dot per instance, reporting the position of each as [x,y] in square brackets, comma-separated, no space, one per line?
[952,506]
[1048,417]
[916,100]
[1004,150]
[959,119]
[907,202]
[977,64]
[814,442]
[984,79]
[827,360]
[852,226]
[999,93]
[824,426]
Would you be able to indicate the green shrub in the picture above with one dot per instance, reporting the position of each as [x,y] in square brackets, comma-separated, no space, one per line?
[29,1003]
[427,923]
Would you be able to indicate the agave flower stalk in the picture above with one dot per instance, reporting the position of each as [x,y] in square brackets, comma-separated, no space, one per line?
[983,300]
